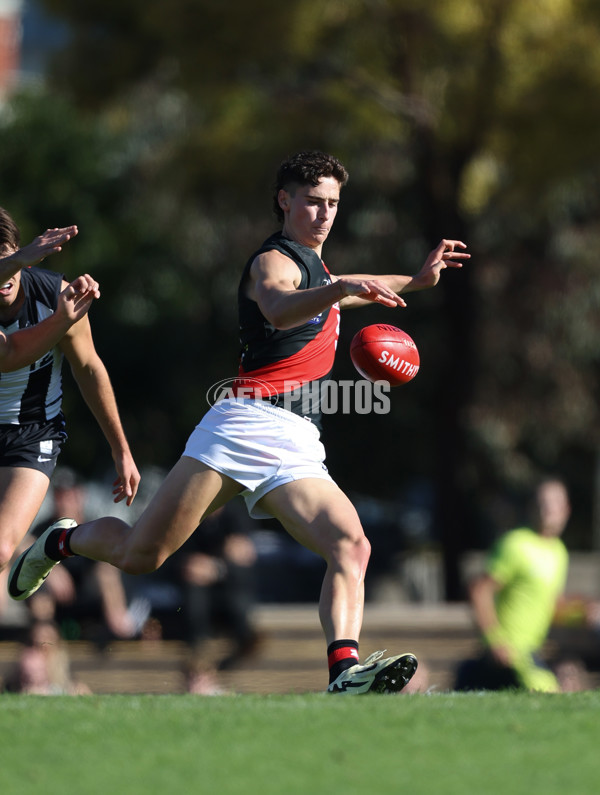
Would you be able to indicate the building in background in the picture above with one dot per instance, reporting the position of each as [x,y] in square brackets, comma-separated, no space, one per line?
[28,38]
[11,12]
[42,35]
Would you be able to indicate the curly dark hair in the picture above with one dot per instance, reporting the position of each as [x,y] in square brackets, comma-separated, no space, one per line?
[306,168]
[10,238]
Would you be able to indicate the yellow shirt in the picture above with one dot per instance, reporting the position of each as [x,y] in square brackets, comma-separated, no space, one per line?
[532,570]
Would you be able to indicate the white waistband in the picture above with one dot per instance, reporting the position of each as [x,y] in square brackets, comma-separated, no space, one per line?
[277,412]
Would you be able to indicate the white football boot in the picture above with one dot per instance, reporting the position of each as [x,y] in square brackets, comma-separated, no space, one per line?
[33,566]
[376,675]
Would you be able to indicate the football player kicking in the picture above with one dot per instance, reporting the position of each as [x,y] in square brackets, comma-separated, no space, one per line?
[260,443]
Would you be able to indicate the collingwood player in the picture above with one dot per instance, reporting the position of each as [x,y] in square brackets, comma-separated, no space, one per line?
[42,319]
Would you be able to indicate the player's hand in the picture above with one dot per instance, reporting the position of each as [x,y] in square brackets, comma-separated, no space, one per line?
[75,300]
[370,290]
[444,255]
[126,484]
[50,242]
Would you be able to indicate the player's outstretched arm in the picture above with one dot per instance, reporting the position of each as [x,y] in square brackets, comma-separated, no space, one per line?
[447,254]
[274,286]
[50,242]
[25,346]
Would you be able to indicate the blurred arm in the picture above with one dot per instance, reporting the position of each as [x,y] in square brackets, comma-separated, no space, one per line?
[114,601]
[482,592]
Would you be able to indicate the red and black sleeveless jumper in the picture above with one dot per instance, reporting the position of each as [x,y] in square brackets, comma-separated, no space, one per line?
[285,359]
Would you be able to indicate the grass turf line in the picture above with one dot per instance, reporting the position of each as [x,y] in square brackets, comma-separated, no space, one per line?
[306,744]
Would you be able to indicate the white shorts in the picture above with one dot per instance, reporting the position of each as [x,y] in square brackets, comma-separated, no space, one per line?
[258,445]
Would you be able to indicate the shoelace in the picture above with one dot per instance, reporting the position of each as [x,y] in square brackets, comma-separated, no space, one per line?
[377,655]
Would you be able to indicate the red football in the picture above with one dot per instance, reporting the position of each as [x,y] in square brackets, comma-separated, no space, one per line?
[385,353]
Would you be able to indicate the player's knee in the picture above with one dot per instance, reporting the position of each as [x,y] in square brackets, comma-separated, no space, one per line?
[142,561]
[363,551]
[353,552]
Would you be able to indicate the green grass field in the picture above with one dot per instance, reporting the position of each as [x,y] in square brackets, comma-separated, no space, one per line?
[309,744]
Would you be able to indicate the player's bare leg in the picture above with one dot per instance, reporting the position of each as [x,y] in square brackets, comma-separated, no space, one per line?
[320,516]
[17,514]
[190,492]
[22,492]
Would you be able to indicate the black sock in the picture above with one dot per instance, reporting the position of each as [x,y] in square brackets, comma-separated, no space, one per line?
[58,544]
[341,655]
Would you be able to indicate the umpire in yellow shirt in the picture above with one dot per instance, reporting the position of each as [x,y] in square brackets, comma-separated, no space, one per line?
[515,600]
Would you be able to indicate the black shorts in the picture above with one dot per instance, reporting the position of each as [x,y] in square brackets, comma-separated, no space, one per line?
[34,446]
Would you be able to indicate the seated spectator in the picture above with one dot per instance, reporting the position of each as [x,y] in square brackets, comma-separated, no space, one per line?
[44,667]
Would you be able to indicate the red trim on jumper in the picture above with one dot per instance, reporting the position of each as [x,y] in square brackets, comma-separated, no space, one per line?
[313,361]
[341,654]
